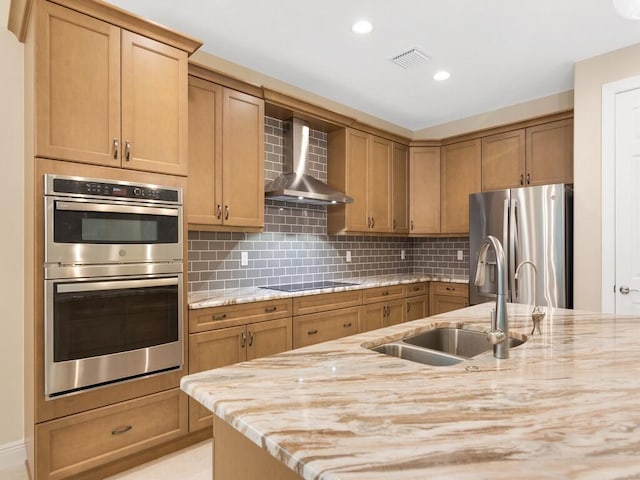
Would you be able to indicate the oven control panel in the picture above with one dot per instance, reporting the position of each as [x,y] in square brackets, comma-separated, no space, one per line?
[86,187]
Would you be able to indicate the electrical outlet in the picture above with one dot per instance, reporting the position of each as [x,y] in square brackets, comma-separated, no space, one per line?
[348,256]
[244,259]
[402,256]
[459,254]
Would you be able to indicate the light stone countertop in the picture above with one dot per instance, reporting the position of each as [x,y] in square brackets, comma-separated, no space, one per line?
[565,405]
[230,296]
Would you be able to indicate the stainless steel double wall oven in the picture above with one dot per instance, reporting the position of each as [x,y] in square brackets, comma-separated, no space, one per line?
[113,281]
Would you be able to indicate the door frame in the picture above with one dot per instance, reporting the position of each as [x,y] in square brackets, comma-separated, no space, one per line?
[608,154]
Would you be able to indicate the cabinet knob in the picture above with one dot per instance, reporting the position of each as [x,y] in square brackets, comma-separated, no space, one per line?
[243,339]
[226,212]
[219,211]
[373,222]
[412,225]
[521,179]
[394,224]
[220,316]
[127,150]
[347,325]
[116,145]
[270,309]
[528,179]
[250,338]
[312,332]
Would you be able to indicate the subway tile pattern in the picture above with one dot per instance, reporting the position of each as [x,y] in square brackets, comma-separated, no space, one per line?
[294,246]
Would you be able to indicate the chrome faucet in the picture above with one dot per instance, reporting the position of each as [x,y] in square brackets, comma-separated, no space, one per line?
[537,314]
[499,335]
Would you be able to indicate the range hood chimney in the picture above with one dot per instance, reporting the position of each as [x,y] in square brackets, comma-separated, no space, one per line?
[295,185]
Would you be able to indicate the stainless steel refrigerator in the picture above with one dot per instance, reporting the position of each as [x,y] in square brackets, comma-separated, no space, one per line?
[533,224]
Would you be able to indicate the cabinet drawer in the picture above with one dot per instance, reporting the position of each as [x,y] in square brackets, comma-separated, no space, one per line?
[320,327]
[231,315]
[79,442]
[448,288]
[415,289]
[382,294]
[326,301]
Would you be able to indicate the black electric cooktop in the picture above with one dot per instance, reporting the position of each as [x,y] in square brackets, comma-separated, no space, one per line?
[301,287]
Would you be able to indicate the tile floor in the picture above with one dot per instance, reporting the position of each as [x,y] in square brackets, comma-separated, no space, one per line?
[192,463]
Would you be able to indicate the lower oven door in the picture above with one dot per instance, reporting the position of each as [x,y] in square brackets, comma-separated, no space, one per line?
[102,330]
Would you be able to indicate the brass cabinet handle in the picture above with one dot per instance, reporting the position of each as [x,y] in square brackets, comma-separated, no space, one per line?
[415,289]
[528,179]
[250,338]
[219,212]
[412,225]
[121,430]
[220,316]
[312,332]
[226,212]
[449,289]
[373,222]
[270,309]
[347,325]
[521,179]
[386,292]
[243,339]
[127,150]
[116,145]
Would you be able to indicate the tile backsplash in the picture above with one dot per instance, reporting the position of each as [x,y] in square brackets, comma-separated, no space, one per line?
[294,246]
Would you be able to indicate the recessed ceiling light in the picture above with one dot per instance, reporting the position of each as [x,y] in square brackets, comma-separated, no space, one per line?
[441,75]
[362,27]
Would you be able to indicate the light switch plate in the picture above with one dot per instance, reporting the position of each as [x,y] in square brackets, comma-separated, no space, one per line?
[348,259]
[244,259]
[402,256]
[459,254]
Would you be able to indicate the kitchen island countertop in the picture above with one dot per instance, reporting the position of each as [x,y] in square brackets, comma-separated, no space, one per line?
[566,404]
[231,296]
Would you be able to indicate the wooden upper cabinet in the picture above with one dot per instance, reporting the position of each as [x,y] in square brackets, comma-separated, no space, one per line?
[226,157]
[460,176]
[107,96]
[424,190]
[549,156]
[400,189]
[503,160]
[78,86]
[242,159]
[154,105]
[361,164]
[204,182]
[379,184]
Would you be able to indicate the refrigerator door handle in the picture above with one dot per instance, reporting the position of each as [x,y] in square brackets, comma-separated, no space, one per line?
[513,248]
[505,225]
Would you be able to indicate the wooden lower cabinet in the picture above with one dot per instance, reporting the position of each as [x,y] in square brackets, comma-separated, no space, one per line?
[382,314]
[74,444]
[417,308]
[226,346]
[322,326]
[446,296]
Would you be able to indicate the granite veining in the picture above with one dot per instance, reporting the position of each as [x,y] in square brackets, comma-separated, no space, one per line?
[230,296]
[565,405]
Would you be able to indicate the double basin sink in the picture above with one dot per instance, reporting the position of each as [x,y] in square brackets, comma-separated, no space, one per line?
[441,346]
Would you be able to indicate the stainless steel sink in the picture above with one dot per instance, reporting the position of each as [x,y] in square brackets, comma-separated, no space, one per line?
[441,346]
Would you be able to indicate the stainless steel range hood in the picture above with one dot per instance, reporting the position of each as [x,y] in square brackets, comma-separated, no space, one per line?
[295,185]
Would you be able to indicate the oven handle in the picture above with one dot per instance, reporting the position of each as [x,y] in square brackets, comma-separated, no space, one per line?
[114,285]
[105,207]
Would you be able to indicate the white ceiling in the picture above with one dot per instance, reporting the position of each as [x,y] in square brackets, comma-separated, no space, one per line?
[499,52]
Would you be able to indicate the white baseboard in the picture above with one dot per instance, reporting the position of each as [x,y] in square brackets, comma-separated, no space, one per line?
[12,454]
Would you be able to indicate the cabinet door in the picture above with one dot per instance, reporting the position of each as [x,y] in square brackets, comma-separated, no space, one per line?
[209,350]
[320,327]
[503,161]
[400,189]
[550,153]
[268,338]
[154,106]
[416,307]
[460,176]
[379,184]
[357,147]
[372,317]
[396,312]
[242,159]
[78,87]
[204,183]
[424,190]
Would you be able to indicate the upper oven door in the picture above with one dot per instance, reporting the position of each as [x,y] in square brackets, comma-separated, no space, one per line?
[82,232]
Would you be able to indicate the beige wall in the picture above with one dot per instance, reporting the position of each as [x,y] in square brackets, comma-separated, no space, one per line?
[590,76]
[11,240]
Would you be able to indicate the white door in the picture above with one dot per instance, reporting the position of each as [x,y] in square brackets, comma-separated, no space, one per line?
[627,202]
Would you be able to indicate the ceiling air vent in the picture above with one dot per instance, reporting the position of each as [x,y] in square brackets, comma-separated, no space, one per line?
[409,58]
